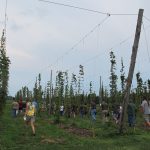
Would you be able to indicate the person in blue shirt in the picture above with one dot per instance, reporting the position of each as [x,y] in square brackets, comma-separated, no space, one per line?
[93,110]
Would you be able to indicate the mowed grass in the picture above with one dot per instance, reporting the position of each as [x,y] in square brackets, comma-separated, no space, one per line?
[15,135]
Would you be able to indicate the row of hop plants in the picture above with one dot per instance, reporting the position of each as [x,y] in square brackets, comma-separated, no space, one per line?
[70,92]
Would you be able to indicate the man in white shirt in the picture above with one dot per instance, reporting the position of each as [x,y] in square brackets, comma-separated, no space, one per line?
[61,110]
[146,111]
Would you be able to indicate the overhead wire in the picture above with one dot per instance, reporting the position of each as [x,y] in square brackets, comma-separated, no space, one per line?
[74,46]
[101,54]
[4,21]
[82,39]
[85,9]
[1,14]
[5,25]
[147,48]
[96,56]
[90,10]
[109,49]
[76,7]
[147,18]
[116,45]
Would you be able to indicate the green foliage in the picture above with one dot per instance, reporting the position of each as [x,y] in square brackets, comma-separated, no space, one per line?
[59,93]
[73,89]
[24,94]
[80,79]
[139,89]
[122,77]
[80,97]
[91,87]
[35,90]
[61,87]
[4,72]
[40,92]
[113,78]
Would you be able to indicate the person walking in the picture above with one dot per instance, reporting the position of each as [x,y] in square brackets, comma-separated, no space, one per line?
[131,110]
[93,110]
[20,105]
[81,111]
[35,105]
[105,111]
[30,116]
[61,110]
[145,108]
[15,107]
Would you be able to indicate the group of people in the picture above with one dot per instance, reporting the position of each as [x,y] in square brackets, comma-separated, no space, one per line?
[72,111]
[117,112]
[105,112]
[17,107]
[145,110]
[28,109]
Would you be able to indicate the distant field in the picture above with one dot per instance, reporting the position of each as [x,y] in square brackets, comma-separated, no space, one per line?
[72,134]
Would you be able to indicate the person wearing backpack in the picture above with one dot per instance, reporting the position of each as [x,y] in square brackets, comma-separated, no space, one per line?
[30,116]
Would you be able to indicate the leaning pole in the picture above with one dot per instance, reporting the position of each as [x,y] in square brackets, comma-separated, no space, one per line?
[131,70]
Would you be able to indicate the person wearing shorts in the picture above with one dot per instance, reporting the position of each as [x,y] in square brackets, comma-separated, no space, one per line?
[146,111]
[30,116]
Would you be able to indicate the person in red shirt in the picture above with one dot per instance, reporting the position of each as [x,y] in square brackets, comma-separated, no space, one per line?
[20,105]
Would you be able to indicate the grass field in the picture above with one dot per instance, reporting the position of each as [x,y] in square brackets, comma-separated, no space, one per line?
[15,135]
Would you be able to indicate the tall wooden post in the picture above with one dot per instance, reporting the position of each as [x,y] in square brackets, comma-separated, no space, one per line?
[50,99]
[131,69]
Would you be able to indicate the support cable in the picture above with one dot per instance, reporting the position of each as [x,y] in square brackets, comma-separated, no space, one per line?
[81,40]
[147,48]
[76,7]
[147,18]
[5,25]
[85,9]
[73,47]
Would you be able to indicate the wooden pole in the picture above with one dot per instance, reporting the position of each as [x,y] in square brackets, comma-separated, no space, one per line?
[131,70]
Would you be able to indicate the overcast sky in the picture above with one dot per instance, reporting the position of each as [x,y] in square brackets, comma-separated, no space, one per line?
[39,35]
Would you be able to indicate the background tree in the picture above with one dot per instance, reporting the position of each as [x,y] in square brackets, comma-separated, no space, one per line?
[40,92]
[122,78]
[4,72]
[80,85]
[74,85]
[113,79]
[59,94]
[66,94]
[139,88]
[148,87]
[35,90]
